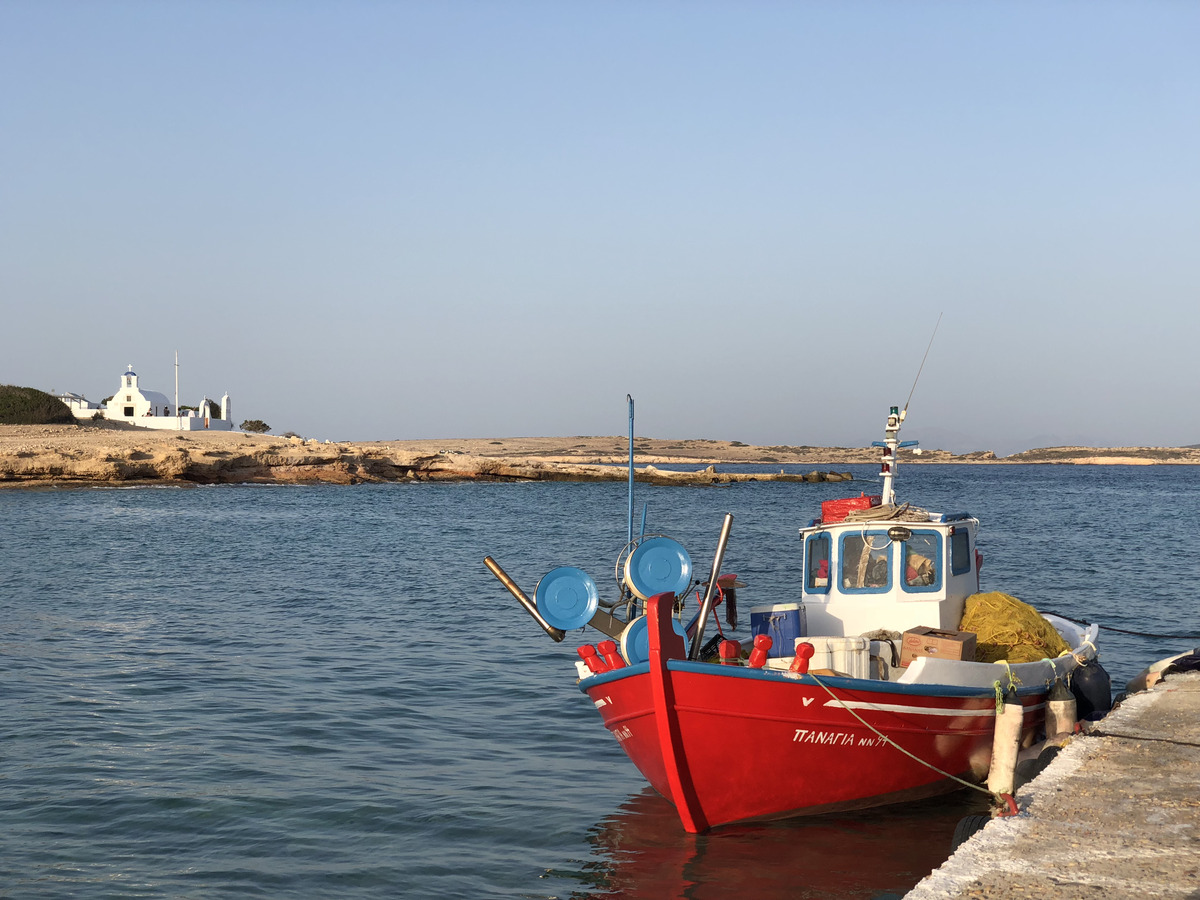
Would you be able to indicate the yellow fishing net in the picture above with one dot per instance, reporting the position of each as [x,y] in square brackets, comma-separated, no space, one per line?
[1006,628]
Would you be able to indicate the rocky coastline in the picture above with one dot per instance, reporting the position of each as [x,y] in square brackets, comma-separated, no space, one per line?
[56,455]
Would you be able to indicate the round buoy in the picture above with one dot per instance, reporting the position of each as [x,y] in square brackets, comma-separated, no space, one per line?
[635,639]
[659,565]
[567,597]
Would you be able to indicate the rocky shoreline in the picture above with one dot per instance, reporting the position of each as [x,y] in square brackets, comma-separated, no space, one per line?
[44,455]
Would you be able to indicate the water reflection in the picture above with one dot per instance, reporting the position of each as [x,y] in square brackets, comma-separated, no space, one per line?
[643,852]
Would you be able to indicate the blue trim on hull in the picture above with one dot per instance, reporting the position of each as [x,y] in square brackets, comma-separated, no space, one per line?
[853,684]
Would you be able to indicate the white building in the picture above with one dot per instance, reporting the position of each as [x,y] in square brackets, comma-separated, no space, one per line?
[81,406]
[150,409]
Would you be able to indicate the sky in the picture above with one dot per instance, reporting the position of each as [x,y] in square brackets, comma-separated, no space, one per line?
[372,220]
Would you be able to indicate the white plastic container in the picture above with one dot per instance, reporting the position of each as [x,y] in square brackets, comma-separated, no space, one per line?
[849,656]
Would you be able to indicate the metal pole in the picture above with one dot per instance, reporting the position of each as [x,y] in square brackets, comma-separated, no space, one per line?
[706,606]
[888,469]
[629,397]
[529,605]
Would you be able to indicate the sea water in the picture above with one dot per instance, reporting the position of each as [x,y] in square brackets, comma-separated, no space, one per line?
[246,691]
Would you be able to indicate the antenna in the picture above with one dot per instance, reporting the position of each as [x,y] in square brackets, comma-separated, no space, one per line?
[921,367]
[891,433]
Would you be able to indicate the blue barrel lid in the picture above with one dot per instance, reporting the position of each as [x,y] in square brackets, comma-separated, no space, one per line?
[567,597]
[635,639]
[658,565]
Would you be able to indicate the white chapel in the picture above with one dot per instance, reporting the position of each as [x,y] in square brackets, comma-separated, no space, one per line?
[135,405]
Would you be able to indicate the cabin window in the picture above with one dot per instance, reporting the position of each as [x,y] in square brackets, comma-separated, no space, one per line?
[960,552]
[866,561]
[816,563]
[923,561]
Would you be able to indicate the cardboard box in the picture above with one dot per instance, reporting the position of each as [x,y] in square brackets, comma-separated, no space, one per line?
[924,641]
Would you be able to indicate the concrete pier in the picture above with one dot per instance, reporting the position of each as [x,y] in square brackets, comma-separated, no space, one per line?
[1115,815]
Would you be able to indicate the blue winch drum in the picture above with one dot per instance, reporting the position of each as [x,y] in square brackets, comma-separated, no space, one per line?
[659,565]
[566,597]
[635,639]
[784,622]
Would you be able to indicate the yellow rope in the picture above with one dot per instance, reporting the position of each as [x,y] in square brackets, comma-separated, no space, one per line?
[1013,680]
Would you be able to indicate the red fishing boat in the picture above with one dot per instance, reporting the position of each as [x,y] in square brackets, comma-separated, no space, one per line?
[861,693]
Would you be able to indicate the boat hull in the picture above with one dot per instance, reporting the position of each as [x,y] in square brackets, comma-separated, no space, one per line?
[728,744]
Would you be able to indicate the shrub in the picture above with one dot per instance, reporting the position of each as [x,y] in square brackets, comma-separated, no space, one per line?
[255,426]
[29,406]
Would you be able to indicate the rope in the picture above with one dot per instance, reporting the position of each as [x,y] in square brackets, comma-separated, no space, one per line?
[904,512]
[1172,637]
[1013,680]
[717,598]
[1002,799]
[869,541]
[1140,737]
[1053,672]
[1002,691]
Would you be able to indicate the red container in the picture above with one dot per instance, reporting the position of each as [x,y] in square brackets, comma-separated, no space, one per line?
[836,510]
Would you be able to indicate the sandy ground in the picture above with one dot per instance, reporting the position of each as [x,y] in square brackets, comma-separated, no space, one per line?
[91,454]
[92,440]
[39,454]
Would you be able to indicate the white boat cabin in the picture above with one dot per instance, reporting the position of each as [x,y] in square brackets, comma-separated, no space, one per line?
[860,576]
[870,564]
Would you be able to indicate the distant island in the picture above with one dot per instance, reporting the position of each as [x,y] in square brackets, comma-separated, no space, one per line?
[100,454]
